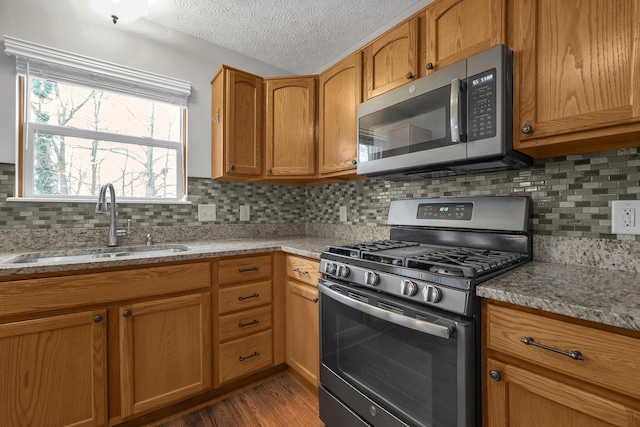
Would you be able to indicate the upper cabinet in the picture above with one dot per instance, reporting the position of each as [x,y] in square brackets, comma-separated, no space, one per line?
[236,125]
[457,29]
[290,126]
[391,60]
[340,94]
[576,75]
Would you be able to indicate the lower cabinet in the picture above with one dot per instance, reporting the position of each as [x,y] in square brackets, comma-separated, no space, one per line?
[53,371]
[165,351]
[548,371]
[302,318]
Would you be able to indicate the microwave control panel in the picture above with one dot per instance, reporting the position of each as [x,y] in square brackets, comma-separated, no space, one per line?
[482,100]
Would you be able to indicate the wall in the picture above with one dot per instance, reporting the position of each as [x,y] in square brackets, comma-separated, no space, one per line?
[70,25]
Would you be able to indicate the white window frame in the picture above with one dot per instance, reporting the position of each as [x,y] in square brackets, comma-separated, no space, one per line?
[34,60]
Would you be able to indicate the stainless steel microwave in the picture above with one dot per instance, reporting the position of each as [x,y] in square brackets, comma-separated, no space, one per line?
[455,121]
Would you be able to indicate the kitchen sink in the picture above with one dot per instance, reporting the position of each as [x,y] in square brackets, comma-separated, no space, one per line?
[95,254]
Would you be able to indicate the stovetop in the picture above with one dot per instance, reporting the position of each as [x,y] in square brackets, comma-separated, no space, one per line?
[444,260]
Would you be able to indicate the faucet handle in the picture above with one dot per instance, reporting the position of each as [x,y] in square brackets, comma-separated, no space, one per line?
[149,240]
[127,231]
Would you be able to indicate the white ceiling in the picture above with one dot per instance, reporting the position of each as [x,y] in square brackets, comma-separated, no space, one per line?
[300,36]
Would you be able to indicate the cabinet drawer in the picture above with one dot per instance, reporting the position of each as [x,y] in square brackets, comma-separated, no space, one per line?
[244,269]
[303,270]
[244,296]
[610,360]
[244,323]
[245,355]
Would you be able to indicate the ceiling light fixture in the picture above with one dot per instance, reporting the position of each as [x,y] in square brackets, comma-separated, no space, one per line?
[122,11]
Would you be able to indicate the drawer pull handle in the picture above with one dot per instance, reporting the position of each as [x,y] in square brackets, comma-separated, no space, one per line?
[574,354]
[255,354]
[297,270]
[242,325]
[244,270]
[250,296]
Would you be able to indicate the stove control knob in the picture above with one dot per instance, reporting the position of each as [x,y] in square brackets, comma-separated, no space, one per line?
[371,278]
[330,268]
[408,288]
[343,271]
[431,294]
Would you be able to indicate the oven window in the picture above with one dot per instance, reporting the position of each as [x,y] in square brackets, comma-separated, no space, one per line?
[410,373]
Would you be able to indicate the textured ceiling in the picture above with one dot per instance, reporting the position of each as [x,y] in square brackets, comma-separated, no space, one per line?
[297,35]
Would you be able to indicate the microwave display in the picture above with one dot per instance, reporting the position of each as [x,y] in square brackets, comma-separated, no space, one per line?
[482,106]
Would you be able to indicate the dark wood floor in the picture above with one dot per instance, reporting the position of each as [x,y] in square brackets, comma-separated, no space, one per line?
[280,401]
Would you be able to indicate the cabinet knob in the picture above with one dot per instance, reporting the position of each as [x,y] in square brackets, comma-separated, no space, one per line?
[269,170]
[526,129]
[409,76]
[232,167]
[354,162]
[126,313]
[429,65]
[98,319]
[495,375]
[315,299]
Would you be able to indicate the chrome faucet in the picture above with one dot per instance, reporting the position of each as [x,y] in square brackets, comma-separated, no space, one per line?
[101,208]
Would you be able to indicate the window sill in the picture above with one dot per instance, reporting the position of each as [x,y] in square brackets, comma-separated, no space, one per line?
[93,200]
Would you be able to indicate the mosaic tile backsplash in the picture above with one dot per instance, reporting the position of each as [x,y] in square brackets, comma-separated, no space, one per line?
[571,198]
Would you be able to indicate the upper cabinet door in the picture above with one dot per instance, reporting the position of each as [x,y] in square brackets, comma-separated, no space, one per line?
[340,94]
[576,75]
[236,124]
[290,126]
[457,29]
[392,59]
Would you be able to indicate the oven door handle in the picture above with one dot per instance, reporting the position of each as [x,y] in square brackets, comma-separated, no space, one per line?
[397,319]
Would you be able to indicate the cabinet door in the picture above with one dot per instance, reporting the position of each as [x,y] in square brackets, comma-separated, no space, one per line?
[165,351]
[457,29]
[520,398]
[576,75]
[53,371]
[392,59]
[340,94]
[302,331]
[236,124]
[290,126]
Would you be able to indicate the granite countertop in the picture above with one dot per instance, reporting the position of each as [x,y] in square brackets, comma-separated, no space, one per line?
[611,297]
[304,246]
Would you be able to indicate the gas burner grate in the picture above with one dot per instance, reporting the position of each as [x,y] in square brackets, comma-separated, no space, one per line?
[464,262]
[354,250]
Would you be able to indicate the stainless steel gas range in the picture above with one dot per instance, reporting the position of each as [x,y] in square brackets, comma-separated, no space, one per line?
[399,319]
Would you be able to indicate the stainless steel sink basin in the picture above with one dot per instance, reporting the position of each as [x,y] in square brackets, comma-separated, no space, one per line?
[91,255]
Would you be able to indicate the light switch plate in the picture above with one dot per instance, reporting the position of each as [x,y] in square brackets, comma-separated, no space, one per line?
[245,212]
[206,213]
[343,214]
[625,217]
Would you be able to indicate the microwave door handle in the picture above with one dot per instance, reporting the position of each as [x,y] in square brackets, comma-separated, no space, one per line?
[397,319]
[454,113]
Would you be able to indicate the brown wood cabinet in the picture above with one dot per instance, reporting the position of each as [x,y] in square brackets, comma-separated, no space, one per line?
[54,371]
[165,351]
[529,386]
[576,75]
[302,318]
[236,125]
[391,60]
[290,126]
[244,318]
[457,29]
[340,94]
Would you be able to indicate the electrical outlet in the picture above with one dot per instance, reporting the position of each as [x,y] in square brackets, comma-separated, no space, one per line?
[623,217]
[343,213]
[206,213]
[245,212]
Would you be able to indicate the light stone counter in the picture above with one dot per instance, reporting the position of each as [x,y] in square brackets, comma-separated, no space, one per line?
[611,297]
[305,246]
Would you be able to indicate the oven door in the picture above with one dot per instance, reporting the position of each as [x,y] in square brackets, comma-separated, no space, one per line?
[387,362]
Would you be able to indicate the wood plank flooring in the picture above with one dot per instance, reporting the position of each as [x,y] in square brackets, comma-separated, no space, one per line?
[278,402]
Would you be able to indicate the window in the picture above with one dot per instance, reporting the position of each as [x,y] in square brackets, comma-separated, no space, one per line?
[85,122]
